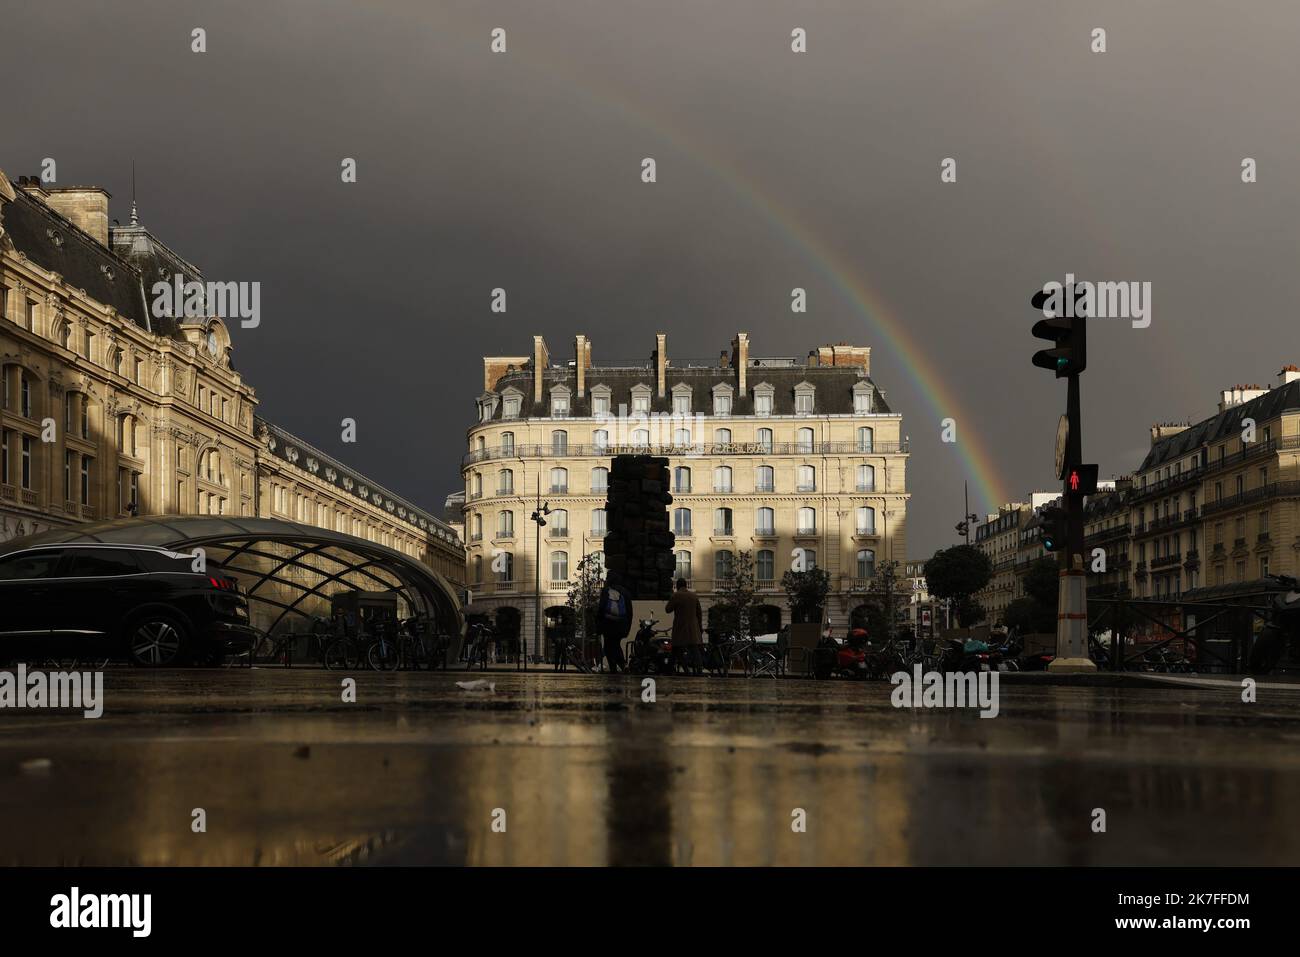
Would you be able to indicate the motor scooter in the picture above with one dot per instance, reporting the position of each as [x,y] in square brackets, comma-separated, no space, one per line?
[652,651]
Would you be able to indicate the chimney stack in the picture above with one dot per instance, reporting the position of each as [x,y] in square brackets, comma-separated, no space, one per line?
[85,206]
[582,359]
[661,360]
[1288,374]
[740,359]
[541,359]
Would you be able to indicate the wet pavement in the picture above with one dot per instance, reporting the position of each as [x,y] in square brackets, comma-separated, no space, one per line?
[416,772]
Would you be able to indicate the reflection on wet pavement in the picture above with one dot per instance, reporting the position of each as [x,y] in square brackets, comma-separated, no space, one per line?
[587,773]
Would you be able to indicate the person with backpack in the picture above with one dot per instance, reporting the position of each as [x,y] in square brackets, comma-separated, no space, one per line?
[614,619]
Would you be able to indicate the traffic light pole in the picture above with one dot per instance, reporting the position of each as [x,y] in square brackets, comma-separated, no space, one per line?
[1072,595]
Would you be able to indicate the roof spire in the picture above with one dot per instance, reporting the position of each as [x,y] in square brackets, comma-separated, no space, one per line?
[135,218]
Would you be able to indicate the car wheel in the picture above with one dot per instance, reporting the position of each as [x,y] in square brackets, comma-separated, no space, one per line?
[156,641]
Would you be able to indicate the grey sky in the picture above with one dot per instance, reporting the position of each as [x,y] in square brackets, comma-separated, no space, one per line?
[522,171]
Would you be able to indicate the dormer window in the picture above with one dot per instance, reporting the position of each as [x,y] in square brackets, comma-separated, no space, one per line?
[487,407]
[763,393]
[862,398]
[722,394]
[559,402]
[803,398]
[641,399]
[600,400]
[511,403]
[681,399]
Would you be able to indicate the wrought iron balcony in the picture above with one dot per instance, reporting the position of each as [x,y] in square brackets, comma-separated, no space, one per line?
[694,449]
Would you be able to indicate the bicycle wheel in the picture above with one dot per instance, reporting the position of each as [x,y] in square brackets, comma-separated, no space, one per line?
[340,655]
[382,654]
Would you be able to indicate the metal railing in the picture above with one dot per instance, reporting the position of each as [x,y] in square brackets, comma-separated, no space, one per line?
[1259,494]
[693,449]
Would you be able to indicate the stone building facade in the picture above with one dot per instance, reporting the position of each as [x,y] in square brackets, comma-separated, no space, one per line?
[108,409]
[786,458]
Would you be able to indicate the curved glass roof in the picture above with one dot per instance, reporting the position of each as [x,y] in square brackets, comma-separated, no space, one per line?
[288,570]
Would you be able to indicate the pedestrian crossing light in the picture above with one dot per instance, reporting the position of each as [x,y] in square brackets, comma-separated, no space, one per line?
[1082,480]
[1052,532]
[1069,355]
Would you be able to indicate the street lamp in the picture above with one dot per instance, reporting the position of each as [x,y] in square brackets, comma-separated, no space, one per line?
[539,518]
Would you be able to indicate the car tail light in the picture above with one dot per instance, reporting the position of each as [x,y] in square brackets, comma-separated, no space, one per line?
[224,584]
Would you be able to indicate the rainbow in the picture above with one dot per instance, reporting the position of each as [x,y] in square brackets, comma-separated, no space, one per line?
[974,456]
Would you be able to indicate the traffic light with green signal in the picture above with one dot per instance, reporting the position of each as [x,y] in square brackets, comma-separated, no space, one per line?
[1053,528]
[1069,355]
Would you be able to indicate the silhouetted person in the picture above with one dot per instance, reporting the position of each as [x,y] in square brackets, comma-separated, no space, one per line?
[688,627]
[614,619]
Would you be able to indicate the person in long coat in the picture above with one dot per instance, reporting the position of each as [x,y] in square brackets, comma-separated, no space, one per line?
[688,627]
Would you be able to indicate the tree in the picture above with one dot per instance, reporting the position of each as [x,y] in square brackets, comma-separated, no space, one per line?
[882,603]
[1042,582]
[806,592]
[968,611]
[954,574]
[584,594]
[1027,616]
[957,572]
[735,598]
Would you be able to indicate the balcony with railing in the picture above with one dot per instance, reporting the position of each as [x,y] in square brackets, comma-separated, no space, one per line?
[1164,561]
[694,449]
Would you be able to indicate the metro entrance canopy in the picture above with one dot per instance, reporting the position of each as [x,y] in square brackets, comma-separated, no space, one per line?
[289,571]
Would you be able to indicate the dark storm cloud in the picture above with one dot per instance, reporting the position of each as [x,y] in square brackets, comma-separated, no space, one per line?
[521,171]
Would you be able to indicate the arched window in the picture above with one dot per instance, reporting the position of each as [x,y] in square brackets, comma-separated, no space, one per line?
[765,521]
[505,524]
[598,523]
[477,527]
[559,479]
[804,441]
[600,479]
[866,478]
[765,440]
[807,521]
[682,565]
[722,478]
[478,568]
[506,482]
[681,437]
[641,438]
[560,442]
[807,478]
[765,565]
[476,485]
[866,563]
[503,564]
[507,443]
[866,436]
[681,479]
[681,521]
[559,567]
[765,479]
[722,565]
[722,522]
[722,436]
[866,520]
[600,439]
[559,522]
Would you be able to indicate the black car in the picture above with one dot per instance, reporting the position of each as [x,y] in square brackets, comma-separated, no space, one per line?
[148,605]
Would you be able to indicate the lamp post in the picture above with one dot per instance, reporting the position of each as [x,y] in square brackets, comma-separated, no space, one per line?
[539,519]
